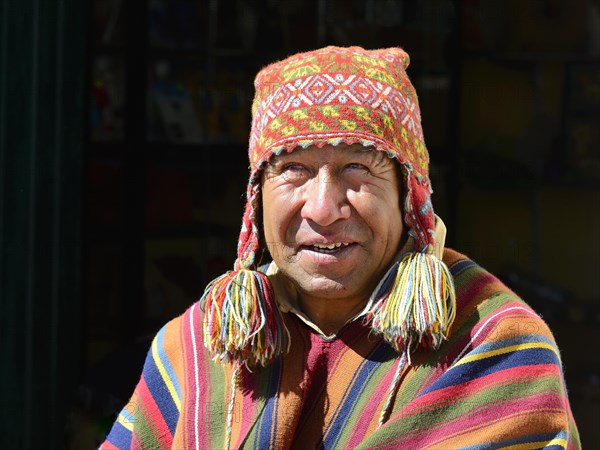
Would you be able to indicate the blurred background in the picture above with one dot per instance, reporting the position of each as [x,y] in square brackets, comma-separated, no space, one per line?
[123,137]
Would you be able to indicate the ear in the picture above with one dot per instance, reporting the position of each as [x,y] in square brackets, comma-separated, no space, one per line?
[401,177]
[422,212]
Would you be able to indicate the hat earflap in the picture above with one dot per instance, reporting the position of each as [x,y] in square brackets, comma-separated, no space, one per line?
[242,323]
[417,299]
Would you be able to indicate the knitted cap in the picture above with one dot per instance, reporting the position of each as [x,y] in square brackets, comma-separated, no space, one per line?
[336,95]
[326,97]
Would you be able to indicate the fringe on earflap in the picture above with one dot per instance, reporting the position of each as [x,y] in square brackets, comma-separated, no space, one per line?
[242,323]
[420,307]
[393,390]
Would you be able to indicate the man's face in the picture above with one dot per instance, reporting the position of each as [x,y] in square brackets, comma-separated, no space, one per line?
[332,219]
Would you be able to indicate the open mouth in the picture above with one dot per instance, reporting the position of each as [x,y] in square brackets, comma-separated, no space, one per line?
[328,249]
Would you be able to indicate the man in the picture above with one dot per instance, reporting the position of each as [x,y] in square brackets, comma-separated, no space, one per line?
[362,331]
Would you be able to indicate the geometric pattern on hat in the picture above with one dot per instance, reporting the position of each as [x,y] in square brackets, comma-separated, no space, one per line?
[334,95]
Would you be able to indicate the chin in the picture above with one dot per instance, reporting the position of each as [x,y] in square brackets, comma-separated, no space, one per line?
[326,289]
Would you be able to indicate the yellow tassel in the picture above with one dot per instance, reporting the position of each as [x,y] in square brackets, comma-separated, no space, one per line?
[420,307]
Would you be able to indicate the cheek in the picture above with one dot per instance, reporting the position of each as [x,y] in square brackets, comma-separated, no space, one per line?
[382,215]
[375,206]
[273,229]
[268,218]
[276,214]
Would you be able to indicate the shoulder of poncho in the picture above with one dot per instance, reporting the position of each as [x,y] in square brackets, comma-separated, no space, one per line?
[497,381]
[486,308]
[182,336]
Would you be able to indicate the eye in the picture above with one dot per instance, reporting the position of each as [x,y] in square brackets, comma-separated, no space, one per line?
[292,167]
[357,167]
[293,171]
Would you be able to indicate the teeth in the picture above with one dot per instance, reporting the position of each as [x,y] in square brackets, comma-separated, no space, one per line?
[331,246]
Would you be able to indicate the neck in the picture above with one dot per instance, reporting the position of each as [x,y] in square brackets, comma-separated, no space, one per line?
[330,315]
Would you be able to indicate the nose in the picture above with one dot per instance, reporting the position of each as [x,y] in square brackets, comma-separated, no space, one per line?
[325,200]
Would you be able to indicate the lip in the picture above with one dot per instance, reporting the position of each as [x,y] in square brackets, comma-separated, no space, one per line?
[320,258]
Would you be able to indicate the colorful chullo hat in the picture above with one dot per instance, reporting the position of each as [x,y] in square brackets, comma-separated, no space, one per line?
[331,96]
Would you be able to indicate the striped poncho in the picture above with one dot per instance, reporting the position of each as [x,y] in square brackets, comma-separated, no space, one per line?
[496,383]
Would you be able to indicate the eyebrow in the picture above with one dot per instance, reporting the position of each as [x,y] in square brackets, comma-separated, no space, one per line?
[376,155]
[355,149]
